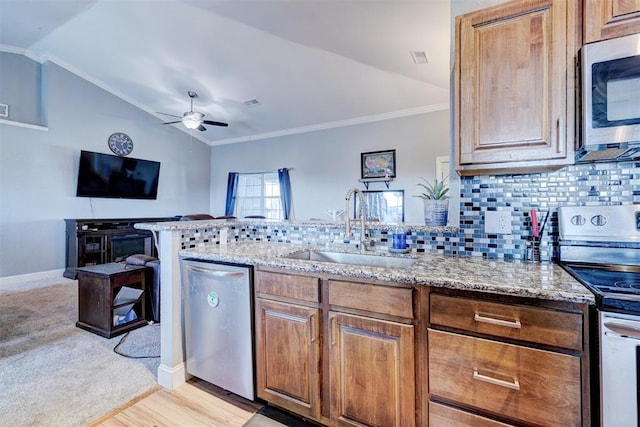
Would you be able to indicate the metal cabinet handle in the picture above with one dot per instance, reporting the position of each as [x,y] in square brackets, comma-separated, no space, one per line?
[334,323]
[623,329]
[560,148]
[515,324]
[312,327]
[515,385]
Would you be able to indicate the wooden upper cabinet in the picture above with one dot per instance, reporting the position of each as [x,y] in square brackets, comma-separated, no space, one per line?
[514,84]
[607,19]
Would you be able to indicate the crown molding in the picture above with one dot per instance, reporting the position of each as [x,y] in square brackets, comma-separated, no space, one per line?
[12,49]
[337,124]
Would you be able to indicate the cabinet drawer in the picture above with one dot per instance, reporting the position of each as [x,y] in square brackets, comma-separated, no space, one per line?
[532,324]
[288,285]
[442,415]
[525,384]
[374,298]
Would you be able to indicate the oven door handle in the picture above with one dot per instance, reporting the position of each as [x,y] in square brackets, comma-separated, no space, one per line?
[624,329]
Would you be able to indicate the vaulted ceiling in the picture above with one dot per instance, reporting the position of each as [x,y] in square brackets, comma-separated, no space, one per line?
[309,64]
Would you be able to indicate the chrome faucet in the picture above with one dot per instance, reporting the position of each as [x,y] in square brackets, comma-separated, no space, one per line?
[363,214]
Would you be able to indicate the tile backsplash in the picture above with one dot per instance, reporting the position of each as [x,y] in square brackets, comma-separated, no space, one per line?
[577,185]
[583,184]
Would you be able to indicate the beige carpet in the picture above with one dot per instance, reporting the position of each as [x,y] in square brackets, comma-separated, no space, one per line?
[54,374]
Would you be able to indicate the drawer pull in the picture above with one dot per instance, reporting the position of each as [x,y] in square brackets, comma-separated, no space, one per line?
[312,327]
[334,333]
[515,324]
[515,385]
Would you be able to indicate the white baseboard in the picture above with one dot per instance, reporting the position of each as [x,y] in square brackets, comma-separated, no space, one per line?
[21,278]
[172,378]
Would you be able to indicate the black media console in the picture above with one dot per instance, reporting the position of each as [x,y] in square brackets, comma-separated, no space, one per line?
[102,241]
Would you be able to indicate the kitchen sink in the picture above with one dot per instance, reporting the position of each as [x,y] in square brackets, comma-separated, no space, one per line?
[369,260]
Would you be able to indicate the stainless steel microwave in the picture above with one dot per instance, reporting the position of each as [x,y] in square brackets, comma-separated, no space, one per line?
[610,100]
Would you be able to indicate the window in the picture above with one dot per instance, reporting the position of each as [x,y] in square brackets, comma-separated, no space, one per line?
[259,194]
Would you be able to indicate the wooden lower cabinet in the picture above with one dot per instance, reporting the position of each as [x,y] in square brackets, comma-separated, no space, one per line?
[353,353]
[447,416]
[507,359]
[521,383]
[336,352]
[288,356]
[372,372]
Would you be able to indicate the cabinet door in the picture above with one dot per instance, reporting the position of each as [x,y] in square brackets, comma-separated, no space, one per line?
[607,19]
[288,356]
[92,249]
[511,86]
[372,372]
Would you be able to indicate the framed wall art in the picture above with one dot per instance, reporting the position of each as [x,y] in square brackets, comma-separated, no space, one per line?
[378,164]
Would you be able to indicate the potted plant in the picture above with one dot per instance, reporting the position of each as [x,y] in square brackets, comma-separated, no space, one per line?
[436,202]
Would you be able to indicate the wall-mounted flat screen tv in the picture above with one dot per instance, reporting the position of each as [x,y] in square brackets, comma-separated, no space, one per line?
[104,175]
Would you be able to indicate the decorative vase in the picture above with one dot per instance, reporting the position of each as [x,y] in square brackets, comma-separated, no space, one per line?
[436,211]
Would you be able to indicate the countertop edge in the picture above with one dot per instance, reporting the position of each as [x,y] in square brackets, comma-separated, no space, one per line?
[427,271]
[190,225]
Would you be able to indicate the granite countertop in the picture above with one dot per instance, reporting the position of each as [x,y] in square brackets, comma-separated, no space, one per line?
[190,225]
[516,278]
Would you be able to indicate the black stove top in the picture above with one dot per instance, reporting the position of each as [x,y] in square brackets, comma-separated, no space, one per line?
[616,287]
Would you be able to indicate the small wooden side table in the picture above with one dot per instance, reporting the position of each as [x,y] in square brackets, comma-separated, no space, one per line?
[98,286]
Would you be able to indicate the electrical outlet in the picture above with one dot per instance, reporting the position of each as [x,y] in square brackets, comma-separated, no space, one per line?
[497,222]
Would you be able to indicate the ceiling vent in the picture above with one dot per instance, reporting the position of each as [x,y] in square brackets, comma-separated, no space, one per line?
[252,103]
[419,57]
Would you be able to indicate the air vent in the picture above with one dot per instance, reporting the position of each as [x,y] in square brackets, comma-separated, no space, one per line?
[252,103]
[419,57]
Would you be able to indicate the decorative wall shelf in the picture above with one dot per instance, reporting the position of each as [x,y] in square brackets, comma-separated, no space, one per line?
[367,181]
[23,125]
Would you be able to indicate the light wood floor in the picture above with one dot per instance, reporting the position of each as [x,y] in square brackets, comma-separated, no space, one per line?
[196,403]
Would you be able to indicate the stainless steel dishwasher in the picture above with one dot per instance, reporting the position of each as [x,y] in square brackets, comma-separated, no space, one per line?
[218,324]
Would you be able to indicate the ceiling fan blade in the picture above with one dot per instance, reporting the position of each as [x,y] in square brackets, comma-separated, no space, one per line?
[201,128]
[209,122]
[167,114]
[170,123]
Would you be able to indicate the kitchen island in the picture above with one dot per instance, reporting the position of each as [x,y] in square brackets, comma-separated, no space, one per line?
[545,286]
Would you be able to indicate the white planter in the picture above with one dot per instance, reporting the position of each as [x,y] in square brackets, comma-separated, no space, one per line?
[436,211]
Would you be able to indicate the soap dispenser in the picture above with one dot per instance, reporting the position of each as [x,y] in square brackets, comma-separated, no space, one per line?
[399,239]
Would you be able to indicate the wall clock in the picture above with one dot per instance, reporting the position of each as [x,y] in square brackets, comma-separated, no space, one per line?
[121,144]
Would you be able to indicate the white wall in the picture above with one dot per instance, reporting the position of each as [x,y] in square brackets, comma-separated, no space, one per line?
[38,169]
[327,163]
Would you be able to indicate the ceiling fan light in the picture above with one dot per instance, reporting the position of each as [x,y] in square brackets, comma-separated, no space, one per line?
[191,122]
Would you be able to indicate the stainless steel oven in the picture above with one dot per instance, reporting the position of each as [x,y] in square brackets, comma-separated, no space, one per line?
[620,361]
[611,99]
[600,246]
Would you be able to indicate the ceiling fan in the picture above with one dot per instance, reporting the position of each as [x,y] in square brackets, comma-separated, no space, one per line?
[193,119]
